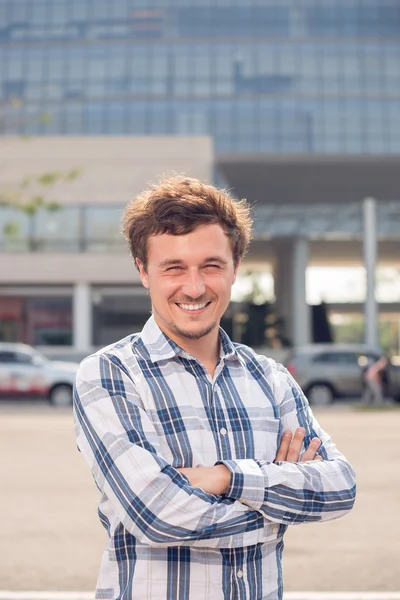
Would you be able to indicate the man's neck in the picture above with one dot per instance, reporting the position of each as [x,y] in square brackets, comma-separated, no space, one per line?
[205,349]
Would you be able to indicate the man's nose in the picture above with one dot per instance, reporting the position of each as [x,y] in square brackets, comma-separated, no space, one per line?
[194,285]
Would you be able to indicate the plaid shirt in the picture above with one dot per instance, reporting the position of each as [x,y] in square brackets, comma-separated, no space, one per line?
[143,408]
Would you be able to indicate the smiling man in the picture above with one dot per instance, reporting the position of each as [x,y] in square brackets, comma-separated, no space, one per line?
[203,451]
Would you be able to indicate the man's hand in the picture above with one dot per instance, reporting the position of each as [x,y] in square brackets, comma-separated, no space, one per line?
[290,447]
[213,480]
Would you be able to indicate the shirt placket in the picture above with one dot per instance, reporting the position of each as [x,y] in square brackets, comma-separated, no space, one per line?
[220,425]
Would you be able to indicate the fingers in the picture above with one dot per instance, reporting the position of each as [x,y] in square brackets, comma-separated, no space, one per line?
[284,447]
[291,445]
[293,454]
[311,452]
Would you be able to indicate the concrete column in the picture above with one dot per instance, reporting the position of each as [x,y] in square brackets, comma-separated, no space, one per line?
[290,289]
[82,317]
[300,309]
[283,284]
[370,257]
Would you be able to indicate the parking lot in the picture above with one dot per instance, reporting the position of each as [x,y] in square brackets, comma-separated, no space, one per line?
[52,540]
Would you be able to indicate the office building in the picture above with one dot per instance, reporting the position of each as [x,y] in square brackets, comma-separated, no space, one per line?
[300,99]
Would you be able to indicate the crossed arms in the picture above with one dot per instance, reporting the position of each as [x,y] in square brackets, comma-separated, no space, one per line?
[216,480]
[161,505]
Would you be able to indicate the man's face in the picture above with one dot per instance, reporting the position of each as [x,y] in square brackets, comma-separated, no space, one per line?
[190,279]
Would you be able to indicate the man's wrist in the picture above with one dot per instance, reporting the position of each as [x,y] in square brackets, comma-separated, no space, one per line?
[246,481]
[225,475]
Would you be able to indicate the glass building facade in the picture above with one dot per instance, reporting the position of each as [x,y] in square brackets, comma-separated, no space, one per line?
[287,76]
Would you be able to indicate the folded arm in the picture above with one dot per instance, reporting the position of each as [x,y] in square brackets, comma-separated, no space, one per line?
[295,492]
[154,501]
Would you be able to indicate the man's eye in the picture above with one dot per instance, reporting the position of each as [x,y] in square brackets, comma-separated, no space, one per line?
[174,268]
[212,266]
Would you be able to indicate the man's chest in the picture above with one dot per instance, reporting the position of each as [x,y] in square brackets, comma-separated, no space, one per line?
[199,421]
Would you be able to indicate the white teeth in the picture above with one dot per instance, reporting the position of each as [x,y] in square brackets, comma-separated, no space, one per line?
[193,306]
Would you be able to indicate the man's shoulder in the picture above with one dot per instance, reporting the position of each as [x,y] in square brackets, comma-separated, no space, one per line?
[251,356]
[126,351]
[264,368]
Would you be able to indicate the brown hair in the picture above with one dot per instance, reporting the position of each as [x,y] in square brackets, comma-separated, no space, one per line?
[177,206]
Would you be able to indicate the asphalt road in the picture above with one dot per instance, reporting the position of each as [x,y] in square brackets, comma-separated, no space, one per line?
[51,538]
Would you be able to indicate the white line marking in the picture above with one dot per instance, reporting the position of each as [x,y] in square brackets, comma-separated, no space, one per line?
[5,595]
[46,595]
[342,596]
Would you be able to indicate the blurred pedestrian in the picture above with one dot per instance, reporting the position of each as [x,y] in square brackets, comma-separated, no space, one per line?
[204,452]
[373,377]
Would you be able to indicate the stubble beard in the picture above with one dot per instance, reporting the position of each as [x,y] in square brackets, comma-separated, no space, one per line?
[184,333]
[193,335]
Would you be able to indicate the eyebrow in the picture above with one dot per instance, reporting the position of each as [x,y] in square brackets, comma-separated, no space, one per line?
[176,261]
[216,259]
[170,261]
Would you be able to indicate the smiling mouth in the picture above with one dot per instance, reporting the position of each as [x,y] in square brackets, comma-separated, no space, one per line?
[192,307]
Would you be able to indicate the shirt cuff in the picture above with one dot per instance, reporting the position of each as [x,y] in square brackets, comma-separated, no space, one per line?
[247,482]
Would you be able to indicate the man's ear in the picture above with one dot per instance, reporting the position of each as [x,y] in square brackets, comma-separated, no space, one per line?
[143,275]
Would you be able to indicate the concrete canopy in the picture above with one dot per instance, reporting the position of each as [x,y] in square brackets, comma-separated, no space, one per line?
[309,210]
[291,179]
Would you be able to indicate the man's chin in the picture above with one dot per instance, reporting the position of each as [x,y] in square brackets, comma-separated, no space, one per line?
[194,333]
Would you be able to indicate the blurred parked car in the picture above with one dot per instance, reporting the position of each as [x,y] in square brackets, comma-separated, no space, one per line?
[25,372]
[326,372]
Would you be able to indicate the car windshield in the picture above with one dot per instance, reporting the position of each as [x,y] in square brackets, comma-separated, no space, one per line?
[38,358]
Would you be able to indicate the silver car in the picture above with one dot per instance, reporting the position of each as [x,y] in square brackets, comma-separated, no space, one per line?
[25,372]
[326,372]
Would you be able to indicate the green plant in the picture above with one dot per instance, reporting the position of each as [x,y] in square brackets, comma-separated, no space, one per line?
[33,192]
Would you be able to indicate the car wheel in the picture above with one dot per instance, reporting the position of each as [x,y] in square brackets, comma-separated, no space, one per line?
[61,395]
[320,394]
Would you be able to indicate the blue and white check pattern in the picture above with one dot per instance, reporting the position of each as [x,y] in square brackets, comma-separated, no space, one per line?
[143,408]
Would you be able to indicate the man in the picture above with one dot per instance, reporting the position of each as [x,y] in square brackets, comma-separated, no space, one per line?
[203,451]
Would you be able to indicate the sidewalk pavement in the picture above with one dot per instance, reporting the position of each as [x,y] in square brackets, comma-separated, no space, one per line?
[52,539]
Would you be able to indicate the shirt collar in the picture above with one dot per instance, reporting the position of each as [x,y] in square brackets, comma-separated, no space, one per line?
[161,347]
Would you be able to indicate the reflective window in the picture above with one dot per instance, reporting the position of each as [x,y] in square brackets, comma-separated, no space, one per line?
[15,230]
[118,315]
[58,230]
[103,228]
[344,358]
[7,357]
[294,76]
[45,320]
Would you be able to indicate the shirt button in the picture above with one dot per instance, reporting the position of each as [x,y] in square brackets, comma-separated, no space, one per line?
[275,529]
[239,574]
[223,431]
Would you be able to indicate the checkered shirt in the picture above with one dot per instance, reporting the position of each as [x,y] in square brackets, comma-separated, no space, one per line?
[143,408]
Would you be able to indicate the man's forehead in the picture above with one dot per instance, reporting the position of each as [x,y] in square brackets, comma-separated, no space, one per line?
[207,259]
[200,245]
